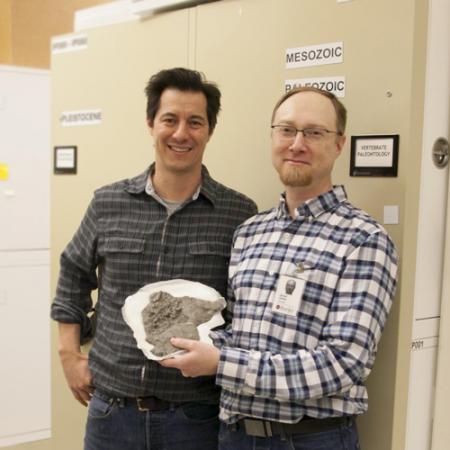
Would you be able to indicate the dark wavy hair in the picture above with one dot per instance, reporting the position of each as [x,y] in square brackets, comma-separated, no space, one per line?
[183,80]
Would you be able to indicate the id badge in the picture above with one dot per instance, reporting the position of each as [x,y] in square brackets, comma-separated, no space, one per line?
[288,296]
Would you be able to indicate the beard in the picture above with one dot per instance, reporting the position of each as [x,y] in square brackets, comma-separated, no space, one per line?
[295,176]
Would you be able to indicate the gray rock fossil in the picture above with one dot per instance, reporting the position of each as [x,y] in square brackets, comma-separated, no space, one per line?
[167,316]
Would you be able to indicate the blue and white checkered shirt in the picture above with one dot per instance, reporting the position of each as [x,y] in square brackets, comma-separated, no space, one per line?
[282,367]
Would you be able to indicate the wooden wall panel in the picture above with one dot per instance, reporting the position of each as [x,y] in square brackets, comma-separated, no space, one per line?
[33,23]
[5,32]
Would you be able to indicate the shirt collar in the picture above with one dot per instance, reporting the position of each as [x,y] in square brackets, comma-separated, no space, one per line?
[137,184]
[316,206]
[150,190]
[208,188]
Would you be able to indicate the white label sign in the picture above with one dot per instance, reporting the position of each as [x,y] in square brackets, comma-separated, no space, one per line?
[336,85]
[65,158]
[315,55]
[69,44]
[374,152]
[81,118]
[424,343]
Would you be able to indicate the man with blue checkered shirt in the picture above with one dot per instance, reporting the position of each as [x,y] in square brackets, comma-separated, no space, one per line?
[311,283]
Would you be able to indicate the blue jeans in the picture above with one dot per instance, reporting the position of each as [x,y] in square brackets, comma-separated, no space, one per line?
[344,437]
[115,425]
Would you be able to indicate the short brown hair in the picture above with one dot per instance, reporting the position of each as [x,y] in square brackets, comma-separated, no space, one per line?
[339,108]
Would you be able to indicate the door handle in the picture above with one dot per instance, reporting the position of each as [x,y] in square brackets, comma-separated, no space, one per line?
[441,152]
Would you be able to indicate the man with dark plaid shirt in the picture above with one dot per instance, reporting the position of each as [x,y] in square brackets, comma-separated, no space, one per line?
[311,284]
[172,221]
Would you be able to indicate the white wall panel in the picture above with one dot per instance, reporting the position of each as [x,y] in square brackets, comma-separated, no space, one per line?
[25,340]
[24,255]
[25,150]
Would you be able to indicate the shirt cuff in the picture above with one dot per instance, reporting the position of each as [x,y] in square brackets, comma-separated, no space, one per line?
[219,338]
[64,313]
[236,370]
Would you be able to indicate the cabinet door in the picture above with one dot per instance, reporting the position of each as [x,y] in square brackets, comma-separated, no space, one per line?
[25,340]
[242,46]
[25,150]
[109,75]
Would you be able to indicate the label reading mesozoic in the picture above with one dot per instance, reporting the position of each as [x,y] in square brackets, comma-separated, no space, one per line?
[315,55]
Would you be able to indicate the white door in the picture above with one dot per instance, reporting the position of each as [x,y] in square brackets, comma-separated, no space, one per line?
[441,429]
[430,339]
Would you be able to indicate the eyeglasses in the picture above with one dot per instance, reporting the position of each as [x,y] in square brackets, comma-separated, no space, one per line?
[313,134]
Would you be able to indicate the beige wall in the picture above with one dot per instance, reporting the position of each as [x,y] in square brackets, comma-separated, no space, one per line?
[383,52]
[26,27]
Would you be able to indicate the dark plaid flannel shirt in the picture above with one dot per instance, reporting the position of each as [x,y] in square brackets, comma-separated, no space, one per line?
[125,241]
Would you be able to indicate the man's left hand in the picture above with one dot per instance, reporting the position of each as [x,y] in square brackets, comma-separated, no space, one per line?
[201,358]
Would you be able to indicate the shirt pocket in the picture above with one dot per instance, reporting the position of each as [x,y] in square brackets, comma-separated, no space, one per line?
[207,262]
[123,244]
[207,248]
[123,259]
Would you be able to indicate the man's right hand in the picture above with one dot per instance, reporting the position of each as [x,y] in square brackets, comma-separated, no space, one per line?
[75,363]
[78,375]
